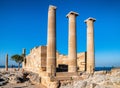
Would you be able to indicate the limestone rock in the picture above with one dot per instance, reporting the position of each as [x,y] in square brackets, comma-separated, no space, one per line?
[98,80]
[64,83]
[82,85]
[3,81]
[54,84]
[93,85]
[34,77]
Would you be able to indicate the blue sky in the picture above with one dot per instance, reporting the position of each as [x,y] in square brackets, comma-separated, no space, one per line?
[23,24]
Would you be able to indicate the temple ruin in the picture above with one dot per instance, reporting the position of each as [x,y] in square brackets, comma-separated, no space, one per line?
[50,64]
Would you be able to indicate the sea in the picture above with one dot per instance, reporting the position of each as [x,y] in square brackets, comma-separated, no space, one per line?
[96,68]
[10,67]
[103,68]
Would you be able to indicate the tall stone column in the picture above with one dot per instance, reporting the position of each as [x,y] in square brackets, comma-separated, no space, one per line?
[51,41]
[72,55]
[90,45]
[24,54]
[6,64]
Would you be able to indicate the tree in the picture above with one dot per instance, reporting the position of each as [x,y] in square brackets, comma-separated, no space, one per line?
[18,59]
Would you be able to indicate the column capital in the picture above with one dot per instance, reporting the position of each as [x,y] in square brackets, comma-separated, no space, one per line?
[72,13]
[52,7]
[90,18]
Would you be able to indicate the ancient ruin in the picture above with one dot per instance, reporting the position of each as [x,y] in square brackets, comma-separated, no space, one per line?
[53,66]
[6,64]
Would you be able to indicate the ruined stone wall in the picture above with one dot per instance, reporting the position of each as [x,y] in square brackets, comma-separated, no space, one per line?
[81,60]
[61,59]
[36,60]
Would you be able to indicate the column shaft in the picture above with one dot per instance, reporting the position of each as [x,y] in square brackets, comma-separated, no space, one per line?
[24,52]
[90,45]
[72,55]
[51,41]
[24,57]
[6,64]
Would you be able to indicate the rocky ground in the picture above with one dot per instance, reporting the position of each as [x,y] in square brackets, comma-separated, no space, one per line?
[19,79]
[22,79]
[100,79]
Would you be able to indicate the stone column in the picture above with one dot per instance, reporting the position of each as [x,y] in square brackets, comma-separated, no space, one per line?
[90,45]
[24,51]
[51,41]
[24,54]
[72,55]
[6,64]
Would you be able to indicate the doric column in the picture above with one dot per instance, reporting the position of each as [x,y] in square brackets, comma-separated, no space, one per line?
[6,64]
[51,41]
[72,55]
[90,45]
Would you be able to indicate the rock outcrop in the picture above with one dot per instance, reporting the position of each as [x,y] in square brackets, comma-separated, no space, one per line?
[100,79]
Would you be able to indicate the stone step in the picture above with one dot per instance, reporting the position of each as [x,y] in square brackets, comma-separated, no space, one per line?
[66,74]
[63,78]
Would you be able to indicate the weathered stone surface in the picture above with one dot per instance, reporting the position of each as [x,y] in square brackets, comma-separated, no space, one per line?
[51,41]
[6,64]
[96,81]
[93,85]
[34,78]
[72,52]
[17,77]
[90,45]
[13,77]
[3,81]
[54,84]
[65,83]
[36,60]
